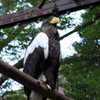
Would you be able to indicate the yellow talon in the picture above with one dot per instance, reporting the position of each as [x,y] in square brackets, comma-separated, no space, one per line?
[48,86]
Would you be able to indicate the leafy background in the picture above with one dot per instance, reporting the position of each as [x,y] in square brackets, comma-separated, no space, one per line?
[79,74]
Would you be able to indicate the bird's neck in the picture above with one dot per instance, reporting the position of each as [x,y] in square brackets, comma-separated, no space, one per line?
[51,32]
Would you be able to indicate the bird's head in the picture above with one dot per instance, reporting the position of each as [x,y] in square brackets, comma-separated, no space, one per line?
[51,21]
[49,26]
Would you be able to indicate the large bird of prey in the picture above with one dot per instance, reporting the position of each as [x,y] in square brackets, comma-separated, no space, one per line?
[42,57]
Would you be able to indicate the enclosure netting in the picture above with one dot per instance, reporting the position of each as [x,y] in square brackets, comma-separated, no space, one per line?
[82,71]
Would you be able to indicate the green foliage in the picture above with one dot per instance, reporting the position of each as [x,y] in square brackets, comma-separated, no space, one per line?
[15,39]
[14,95]
[65,22]
[7,93]
[17,5]
[83,68]
[83,78]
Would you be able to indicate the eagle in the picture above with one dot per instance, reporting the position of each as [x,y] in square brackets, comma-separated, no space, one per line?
[42,57]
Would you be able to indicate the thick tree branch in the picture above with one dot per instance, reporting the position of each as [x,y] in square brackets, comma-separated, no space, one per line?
[18,65]
[29,82]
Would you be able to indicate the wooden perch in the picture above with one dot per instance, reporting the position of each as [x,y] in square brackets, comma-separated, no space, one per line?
[29,82]
[34,14]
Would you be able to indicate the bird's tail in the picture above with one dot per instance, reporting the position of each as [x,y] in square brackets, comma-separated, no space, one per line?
[36,96]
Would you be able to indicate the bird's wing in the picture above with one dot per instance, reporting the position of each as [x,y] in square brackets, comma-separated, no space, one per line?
[35,56]
[41,40]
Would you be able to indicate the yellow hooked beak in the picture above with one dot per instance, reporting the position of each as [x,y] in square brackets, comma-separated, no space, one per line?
[55,20]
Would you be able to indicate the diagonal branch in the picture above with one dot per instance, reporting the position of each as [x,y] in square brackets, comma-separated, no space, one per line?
[82,26]
[42,3]
[29,82]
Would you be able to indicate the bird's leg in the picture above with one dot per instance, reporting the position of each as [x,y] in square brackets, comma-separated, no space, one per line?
[47,85]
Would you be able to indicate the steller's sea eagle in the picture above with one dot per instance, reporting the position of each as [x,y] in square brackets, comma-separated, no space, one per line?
[42,57]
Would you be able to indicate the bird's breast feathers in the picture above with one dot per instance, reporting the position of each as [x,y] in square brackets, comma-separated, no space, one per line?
[41,40]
